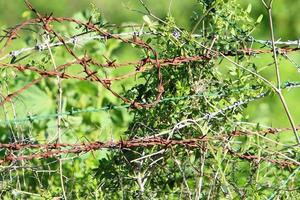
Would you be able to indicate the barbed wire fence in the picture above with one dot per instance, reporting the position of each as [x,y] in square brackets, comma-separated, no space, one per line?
[19,151]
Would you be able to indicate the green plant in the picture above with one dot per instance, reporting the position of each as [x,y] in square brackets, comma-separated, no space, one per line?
[171,120]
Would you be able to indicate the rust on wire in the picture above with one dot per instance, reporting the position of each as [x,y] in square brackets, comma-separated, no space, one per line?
[86,61]
[56,149]
[153,62]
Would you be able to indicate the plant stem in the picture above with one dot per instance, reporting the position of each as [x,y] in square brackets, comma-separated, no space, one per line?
[279,91]
[59,110]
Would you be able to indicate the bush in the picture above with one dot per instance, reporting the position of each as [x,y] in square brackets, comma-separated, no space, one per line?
[167,104]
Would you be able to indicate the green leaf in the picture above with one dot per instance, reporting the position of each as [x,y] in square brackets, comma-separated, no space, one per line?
[259,19]
[249,8]
[36,101]
[147,20]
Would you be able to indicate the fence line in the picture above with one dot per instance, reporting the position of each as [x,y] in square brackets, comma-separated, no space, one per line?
[52,150]
[82,38]
[34,118]
[57,149]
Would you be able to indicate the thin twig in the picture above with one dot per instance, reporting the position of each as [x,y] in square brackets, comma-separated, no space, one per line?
[59,117]
[278,78]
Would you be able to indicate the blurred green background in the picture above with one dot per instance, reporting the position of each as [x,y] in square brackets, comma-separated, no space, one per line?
[286,21]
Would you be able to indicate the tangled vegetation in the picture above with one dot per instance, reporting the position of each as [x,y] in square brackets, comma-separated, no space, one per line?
[92,110]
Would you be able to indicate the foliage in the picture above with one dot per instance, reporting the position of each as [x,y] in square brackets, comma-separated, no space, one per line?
[206,76]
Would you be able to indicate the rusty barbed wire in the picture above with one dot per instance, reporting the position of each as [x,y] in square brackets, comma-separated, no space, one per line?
[55,149]
[139,66]
[86,61]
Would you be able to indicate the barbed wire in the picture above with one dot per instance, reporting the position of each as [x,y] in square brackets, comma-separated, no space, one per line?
[32,118]
[35,118]
[279,42]
[23,150]
[144,142]
[52,150]
[86,61]
[83,38]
